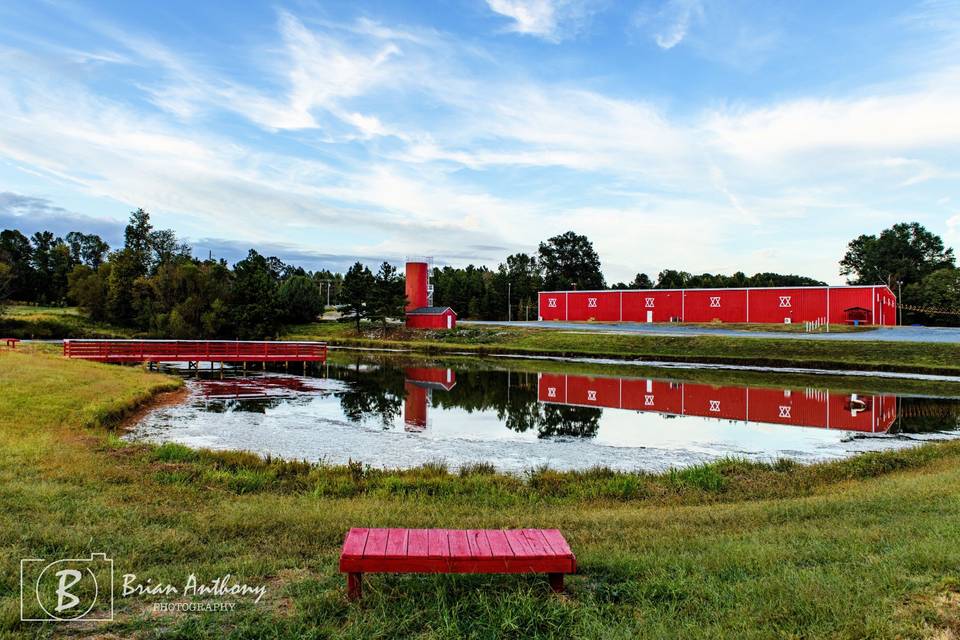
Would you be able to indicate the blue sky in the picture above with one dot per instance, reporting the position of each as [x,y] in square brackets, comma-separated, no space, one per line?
[689,134]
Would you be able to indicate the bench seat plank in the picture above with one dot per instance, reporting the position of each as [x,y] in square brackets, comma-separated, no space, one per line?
[456,551]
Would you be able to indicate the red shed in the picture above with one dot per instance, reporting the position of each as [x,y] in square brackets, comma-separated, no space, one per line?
[432,318]
[867,304]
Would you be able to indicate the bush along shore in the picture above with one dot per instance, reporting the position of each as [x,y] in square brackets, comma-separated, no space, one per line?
[867,547]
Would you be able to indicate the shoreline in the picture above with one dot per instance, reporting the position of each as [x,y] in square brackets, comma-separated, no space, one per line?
[427,347]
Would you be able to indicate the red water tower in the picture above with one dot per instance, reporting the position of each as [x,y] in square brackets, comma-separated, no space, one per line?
[418,283]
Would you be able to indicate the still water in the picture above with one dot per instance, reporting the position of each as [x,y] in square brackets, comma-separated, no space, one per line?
[399,412]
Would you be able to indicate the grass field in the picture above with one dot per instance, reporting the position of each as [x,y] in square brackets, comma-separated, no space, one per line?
[26,322]
[862,548]
[858,355]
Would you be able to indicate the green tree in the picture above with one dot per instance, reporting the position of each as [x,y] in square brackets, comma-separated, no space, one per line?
[673,279]
[125,268]
[60,266]
[389,295]
[87,289]
[137,240]
[570,261]
[522,272]
[6,284]
[300,299]
[17,252]
[357,292]
[88,249]
[165,248]
[640,281]
[906,252]
[43,243]
[938,290]
[254,299]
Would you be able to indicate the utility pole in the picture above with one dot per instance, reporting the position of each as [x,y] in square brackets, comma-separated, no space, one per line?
[899,301]
[329,283]
[508,302]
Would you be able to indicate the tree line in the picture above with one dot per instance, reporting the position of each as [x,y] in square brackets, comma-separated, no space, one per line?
[154,284]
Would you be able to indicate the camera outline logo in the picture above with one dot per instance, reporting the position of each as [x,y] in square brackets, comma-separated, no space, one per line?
[70,575]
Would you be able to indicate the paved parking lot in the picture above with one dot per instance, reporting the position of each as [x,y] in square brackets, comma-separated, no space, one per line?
[887,334]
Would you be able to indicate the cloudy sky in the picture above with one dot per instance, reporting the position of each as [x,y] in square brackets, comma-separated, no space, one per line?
[694,134]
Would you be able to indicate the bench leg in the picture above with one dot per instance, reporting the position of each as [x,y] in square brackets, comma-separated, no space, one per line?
[354,585]
[556,582]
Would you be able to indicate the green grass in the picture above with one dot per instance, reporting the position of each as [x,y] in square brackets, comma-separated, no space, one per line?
[869,547]
[45,323]
[916,357]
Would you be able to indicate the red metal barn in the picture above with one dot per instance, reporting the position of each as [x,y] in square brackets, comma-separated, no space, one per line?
[867,304]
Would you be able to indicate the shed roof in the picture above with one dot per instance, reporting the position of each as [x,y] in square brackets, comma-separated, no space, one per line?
[430,311]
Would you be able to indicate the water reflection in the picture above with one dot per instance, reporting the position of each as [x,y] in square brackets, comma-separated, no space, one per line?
[807,407]
[404,412]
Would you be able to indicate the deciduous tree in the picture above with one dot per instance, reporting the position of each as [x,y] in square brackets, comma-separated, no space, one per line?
[906,252]
[569,261]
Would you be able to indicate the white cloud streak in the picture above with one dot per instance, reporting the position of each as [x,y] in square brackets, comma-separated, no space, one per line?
[549,20]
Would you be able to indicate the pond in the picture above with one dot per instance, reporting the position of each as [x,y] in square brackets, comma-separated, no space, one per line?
[401,412]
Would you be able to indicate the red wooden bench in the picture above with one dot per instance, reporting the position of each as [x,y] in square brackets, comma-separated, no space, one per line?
[455,551]
[11,342]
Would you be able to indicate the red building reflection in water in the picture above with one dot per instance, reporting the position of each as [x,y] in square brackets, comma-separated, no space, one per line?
[418,384]
[256,387]
[803,408]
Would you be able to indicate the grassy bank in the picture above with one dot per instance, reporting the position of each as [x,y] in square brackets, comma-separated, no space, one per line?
[863,548]
[861,355]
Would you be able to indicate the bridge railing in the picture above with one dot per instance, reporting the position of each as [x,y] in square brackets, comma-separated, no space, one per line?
[195,350]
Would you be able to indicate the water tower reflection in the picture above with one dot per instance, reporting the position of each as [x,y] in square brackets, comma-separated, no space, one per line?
[418,384]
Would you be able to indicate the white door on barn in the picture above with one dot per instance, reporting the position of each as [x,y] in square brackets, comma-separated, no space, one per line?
[649,316]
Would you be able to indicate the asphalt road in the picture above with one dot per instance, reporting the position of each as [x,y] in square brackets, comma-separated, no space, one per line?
[886,334]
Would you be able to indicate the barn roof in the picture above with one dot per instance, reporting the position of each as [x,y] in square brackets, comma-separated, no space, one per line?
[430,311]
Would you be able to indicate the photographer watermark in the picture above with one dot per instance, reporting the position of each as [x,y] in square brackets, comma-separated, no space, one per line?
[66,590]
[84,589]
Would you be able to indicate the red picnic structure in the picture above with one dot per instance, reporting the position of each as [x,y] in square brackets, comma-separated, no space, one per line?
[195,351]
[455,551]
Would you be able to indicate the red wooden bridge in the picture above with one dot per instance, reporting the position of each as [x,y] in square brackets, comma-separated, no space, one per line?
[195,351]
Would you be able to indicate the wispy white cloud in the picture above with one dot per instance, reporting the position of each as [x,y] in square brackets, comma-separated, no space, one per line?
[551,20]
[925,117]
[669,23]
